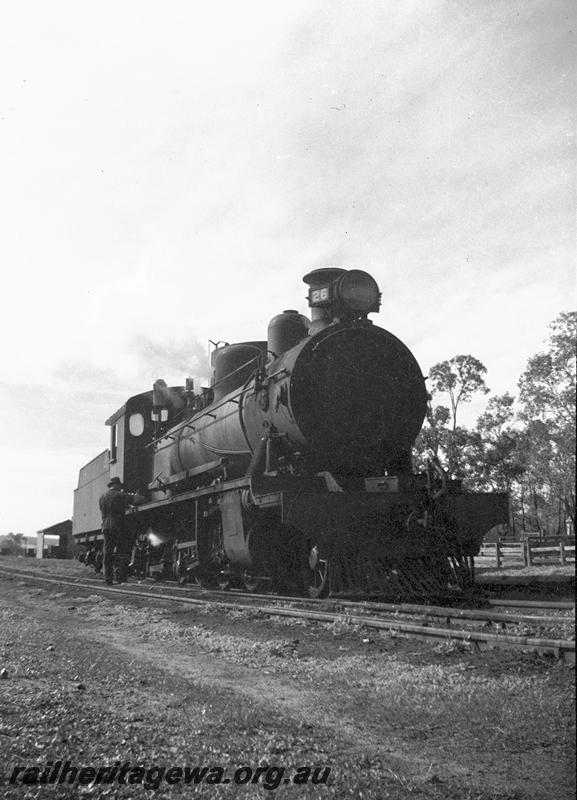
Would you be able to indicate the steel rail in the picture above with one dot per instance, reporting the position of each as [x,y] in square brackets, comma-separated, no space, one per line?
[410,609]
[559,647]
[456,613]
[407,609]
[533,604]
[403,608]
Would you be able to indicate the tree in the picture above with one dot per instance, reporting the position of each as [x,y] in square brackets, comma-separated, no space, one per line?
[548,382]
[432,438]
[12,544]
[501,442]
[526,449]
[495,451]
[534,498]
[548,405]
[460,378]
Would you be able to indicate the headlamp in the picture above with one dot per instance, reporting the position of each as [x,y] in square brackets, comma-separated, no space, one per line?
[357,291]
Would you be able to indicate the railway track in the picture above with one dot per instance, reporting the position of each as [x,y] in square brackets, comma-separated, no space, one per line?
[529,629]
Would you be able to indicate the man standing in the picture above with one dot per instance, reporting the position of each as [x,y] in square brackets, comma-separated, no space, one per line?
[113,504]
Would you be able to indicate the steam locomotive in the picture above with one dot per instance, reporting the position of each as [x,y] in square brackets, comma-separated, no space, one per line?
[293,469]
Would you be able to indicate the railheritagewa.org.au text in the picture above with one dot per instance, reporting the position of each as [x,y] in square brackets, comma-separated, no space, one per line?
[154,776]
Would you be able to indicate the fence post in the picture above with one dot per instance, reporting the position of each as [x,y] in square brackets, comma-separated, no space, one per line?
[529,558]
[498,553]
[562,551]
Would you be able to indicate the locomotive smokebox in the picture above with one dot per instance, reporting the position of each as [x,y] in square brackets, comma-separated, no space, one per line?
[358,397]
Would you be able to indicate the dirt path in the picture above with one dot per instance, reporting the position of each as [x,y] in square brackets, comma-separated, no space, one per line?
[93,681]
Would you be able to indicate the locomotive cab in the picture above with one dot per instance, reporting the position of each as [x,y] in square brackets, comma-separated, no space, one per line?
[129,456]
[131,429]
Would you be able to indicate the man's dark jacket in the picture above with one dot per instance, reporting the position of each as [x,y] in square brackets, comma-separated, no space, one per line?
[113,504]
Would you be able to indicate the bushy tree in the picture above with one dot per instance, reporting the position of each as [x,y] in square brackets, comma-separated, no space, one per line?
[547,386]
[12,544]
[460,377]
[500,439]
[548,406]
[432,440]
[525,448]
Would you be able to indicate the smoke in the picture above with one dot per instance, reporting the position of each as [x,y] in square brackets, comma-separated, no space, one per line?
[156,539]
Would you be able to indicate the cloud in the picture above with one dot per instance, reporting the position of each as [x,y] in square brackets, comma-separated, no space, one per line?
[68,411]
[181,358]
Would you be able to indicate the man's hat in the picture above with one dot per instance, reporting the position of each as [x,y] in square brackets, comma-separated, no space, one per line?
[114,482]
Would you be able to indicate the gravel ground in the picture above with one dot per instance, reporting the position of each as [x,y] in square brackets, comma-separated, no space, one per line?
[539,582]
[95,681]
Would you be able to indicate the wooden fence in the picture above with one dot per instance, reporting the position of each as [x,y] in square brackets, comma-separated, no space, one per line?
[541,552]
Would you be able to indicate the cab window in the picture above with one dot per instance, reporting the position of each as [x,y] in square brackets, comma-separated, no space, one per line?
[136,424]
[113,442]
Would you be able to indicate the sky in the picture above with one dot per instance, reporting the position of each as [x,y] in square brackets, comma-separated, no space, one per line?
[170,171]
